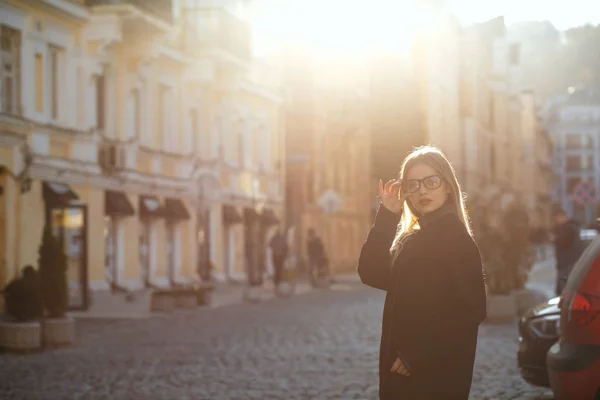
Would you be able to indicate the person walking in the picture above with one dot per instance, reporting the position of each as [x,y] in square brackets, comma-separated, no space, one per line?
[279,252]
[317,257]
[420,251]
[568,246]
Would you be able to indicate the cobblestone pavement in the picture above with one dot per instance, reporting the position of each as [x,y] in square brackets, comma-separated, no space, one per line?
[322,345]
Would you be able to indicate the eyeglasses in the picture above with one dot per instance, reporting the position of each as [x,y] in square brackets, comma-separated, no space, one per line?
[430,182]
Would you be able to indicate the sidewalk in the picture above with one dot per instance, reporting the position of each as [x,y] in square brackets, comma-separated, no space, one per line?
[542,277]
[114,306]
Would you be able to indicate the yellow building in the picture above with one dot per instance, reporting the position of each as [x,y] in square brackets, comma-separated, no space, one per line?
[137,141]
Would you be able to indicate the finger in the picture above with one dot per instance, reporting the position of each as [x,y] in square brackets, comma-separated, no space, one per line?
[380,188]
[396,365]
[387,185]
[403,371]
[395,188]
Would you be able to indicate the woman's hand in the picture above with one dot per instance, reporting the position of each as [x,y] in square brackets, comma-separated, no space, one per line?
[399,368]
[391,195]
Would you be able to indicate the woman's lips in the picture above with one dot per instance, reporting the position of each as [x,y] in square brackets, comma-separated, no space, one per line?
[424,202]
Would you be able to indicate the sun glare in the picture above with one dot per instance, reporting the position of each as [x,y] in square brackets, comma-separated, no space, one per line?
[339,28]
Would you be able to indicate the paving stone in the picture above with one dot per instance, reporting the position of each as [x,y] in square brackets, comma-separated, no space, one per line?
[320,345]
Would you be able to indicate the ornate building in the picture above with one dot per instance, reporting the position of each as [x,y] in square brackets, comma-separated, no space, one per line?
[153,146]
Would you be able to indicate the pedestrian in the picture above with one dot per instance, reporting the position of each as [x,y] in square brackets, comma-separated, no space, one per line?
[317,257]
[568,246]
[420,250]
[279,252]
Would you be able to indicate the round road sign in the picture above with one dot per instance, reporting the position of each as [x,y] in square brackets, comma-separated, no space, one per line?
[585,193]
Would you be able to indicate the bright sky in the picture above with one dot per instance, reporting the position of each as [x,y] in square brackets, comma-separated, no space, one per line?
[563,14]
[352,26]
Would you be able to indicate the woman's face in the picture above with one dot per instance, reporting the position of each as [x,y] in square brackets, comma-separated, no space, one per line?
[426,189]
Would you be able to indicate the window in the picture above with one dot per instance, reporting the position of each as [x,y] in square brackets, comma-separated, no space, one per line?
[144,256]
[192,128]
[100,101]
[54,54]
[215,138]
[167,137]
[39,83]
[9,70]
[110,249]
[573,141]
[241,148]
[170,250]
[573,163]
[134,114]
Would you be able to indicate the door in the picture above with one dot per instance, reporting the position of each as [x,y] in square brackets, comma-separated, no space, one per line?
[69,223]
[204,231]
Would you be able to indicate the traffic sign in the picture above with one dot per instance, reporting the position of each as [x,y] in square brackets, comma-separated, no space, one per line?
[330,201]
[585,193]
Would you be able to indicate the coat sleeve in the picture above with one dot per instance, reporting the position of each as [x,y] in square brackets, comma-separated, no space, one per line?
[466,287]
[374,261]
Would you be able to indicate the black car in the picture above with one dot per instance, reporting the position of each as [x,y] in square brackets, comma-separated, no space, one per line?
[538,331]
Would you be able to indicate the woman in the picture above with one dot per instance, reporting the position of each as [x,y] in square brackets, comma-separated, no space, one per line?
[420,251]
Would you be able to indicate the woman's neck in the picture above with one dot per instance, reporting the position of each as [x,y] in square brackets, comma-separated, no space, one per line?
[428,218]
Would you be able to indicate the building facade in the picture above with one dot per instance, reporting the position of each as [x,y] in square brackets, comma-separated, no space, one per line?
[538,175]
[153,147]
[573,121]
[328,157]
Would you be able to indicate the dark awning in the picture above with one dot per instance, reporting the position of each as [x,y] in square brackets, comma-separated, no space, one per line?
[269,217]
[250,214]
[117,203]
[150,207]
[58,194]
[176,210]
[231,215]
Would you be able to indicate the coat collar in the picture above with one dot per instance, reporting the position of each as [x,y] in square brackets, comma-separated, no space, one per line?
[428,219]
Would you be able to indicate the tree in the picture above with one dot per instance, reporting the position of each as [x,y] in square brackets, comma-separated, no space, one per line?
[53,274]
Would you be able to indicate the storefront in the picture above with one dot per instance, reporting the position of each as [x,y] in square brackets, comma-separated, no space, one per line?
[66,216]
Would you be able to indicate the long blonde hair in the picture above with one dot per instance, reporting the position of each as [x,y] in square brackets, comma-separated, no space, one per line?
[432,156]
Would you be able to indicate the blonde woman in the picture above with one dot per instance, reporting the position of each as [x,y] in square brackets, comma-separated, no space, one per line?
[421,252]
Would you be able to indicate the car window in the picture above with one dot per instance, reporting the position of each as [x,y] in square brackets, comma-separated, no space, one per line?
[582,266]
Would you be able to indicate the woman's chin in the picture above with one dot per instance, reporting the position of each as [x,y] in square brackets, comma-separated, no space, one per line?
[428,208]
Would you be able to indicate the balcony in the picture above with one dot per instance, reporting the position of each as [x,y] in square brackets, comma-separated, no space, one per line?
[149,13]
[217,31]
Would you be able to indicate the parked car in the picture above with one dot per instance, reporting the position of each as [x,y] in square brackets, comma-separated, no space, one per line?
[574,361]
[538,331]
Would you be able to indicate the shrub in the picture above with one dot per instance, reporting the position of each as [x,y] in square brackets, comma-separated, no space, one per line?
[53,275]
[22,296]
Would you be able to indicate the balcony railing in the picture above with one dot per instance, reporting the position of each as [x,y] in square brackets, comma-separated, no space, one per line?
[218,28]
[162,9]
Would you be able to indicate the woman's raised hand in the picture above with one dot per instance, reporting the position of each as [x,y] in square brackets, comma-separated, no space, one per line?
[391,195]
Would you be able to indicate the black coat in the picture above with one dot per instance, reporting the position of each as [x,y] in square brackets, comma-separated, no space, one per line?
[434,304]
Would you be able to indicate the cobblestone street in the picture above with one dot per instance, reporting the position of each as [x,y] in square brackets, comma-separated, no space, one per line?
[320,345]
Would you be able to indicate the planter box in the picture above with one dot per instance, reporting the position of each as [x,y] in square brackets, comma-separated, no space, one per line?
[58,331]
[186,299]
[20,336]
[204,294]
[162,301]
[501,308]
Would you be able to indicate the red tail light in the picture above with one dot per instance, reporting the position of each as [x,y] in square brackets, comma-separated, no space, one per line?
[581,310]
